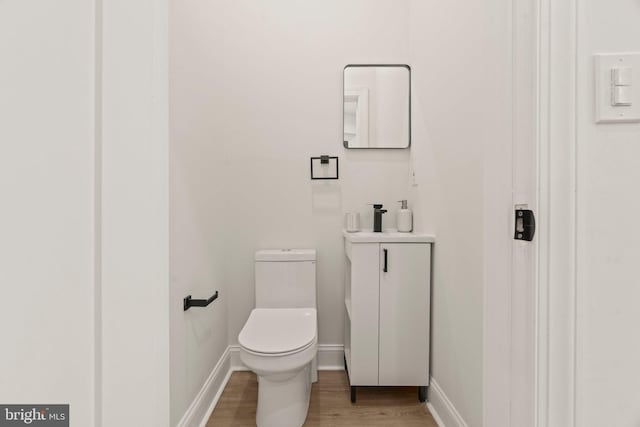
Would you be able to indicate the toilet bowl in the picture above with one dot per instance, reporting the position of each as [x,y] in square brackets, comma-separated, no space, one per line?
[279,345]
[279,341]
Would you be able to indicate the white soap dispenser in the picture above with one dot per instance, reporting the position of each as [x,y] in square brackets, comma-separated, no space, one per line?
[405,218]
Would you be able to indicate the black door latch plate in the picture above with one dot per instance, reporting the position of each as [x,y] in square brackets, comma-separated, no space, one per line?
[525,223]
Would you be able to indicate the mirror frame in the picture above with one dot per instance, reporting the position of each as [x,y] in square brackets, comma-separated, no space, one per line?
[344,143]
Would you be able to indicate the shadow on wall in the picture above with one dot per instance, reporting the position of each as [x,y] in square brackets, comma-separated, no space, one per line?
[326,198]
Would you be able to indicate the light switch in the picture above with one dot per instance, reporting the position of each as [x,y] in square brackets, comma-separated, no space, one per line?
[617,87]
[622,96]
[622,76]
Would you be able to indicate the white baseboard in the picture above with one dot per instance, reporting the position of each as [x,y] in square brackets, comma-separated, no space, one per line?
[442,409]
[330,358]
[200,409]
[236,363]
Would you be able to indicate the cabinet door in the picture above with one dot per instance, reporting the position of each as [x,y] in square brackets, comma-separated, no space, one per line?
[404,314]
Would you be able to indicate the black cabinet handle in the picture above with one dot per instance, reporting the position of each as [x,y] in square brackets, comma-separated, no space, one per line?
[188,302]
[385,260]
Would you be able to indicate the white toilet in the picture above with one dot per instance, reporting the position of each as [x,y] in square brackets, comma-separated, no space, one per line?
[279,342]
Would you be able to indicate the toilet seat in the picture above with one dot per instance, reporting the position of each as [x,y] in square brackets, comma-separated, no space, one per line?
[279,331]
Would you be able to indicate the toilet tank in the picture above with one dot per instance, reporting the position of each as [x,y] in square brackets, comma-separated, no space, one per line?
[286,278]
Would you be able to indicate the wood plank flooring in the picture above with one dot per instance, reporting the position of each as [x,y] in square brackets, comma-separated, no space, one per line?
[330,405]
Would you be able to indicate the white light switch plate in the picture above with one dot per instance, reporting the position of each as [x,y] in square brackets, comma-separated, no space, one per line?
[605,111]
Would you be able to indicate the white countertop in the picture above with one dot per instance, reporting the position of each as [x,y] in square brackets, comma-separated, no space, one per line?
[388,236]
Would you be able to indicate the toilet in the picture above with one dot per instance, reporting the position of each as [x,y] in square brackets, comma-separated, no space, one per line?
[279,342]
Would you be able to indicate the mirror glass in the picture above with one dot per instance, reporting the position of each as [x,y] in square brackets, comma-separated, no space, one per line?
[377,106]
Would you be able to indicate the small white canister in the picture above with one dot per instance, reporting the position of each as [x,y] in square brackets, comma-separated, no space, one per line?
[352,222]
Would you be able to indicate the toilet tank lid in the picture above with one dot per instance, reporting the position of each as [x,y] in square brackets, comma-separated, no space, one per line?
[286,255]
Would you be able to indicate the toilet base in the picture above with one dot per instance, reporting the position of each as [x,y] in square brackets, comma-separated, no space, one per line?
[283,399]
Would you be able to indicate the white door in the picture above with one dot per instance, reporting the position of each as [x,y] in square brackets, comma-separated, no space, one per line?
[511,287]
[404,314]
[525,196]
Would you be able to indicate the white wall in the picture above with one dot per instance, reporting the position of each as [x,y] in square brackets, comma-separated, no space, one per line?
[608,250]
[198,206]
[283,74]
[84,174]
[460,56]
[265,82]
[47,215]
[133,184]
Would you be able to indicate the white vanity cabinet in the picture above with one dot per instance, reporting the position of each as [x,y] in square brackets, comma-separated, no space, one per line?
[387,301]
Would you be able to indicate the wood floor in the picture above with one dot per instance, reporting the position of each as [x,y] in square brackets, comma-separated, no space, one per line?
[330,404]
